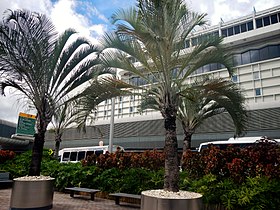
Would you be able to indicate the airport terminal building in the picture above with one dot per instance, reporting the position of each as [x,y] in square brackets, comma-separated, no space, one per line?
[254,41]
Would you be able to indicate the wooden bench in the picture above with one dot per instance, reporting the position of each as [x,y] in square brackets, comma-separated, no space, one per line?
[124,195]
[74,190]
[5,180]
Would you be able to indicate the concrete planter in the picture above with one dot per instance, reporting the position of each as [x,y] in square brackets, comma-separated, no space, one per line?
[159,203]
[29,194]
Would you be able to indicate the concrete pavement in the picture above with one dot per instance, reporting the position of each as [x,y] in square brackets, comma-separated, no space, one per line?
[63,201]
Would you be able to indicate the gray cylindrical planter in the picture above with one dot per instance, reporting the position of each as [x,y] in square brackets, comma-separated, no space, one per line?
[159,203]
[29,194]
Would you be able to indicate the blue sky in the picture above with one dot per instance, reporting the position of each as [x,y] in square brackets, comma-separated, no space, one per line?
[91,18]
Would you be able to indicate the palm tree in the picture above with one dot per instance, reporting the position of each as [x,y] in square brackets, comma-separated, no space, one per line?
[45,67]
[81,110]
[153,34]
[207,98]
[63,118]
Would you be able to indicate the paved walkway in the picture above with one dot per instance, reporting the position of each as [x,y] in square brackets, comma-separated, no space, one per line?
[62,201]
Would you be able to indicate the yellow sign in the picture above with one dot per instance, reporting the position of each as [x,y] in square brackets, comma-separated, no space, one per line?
[27,115]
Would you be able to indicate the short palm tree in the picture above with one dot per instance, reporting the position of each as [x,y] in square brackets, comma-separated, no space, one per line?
[154,34]
[45,67]
[78,112]
[207,98]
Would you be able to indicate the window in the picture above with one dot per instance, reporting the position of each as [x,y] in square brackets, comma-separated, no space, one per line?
[237,60]
[259,23]
[258,92]
[245,57]
[273,19]
[250,26]
[187,43]
[230,31]
[81,155]
[66,156]
[98,152]
[234,78]
[264,53]
[266,21]
[255,55]
[274,51]
[73,156]
[224,33]
[213,66]
[256,75]
[194,41]
[243,27]
[236,29]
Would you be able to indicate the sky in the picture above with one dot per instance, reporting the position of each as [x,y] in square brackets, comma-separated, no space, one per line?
[91,18]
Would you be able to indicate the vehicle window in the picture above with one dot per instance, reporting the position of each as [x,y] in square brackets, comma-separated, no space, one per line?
[73,156]
[89,153]
[81,155]
[65,156]
[98,152]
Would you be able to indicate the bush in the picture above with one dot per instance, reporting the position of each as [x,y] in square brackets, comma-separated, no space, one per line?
[262,159]
[152,160]
[6,155]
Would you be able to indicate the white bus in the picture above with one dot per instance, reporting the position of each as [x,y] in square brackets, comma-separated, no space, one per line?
[76,154]
[237,142]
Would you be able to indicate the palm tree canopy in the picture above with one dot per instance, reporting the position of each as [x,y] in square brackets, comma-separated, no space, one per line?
[46,67]
[154,35]
[210,97]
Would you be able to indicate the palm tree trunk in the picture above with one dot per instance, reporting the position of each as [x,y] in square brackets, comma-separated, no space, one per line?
[57,144]
[188,132]
[171,176]
[37,154]
[187,141]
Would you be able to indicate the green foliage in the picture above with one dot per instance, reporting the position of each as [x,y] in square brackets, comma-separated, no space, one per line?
[19,166]
[132,180]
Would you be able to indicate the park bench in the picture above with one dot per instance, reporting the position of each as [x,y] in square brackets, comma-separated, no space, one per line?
[5,180]
[117,196]
[78,190]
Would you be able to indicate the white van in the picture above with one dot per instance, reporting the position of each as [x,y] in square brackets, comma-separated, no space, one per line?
[76,154]
[237,142]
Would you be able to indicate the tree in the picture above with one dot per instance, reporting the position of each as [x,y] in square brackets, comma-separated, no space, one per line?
[154,34]
[45,67]
[207,98]
[79,111]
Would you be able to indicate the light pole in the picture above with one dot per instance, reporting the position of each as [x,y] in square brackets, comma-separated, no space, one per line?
[112,126]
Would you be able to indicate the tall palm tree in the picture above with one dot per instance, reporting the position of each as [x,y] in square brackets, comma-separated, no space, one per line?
[45,67]
[154,34]
[207,98]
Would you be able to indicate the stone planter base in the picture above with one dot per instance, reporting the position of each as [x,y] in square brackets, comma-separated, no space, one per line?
[159,203]
[32,195]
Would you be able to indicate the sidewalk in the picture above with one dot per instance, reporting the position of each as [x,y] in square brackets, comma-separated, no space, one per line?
[62,201]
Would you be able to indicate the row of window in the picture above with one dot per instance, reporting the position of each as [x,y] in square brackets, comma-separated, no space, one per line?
[268,20]
[250,56]
[105,113]
[237,29]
